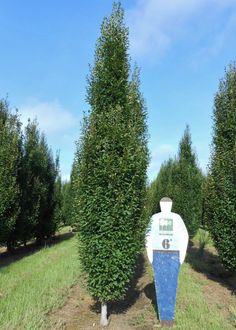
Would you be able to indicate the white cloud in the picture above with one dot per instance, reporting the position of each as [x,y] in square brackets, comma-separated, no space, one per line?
[218,42]
[154,24]
[51,116]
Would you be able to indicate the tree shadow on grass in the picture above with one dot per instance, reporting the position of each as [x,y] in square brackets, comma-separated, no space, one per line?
[209,264]
[7,258]
[132,294]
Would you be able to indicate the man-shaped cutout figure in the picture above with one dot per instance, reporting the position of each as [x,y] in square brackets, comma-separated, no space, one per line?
[166,244]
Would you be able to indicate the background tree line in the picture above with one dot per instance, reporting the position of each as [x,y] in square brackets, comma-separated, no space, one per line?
[181,179]
[31,191]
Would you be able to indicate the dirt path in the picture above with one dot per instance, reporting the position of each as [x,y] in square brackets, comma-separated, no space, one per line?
[137,311]
[81,312]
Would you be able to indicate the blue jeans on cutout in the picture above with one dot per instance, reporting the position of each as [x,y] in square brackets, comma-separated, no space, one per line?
[166,267]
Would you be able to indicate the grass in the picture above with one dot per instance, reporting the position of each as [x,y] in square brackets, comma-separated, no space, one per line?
[38,284]
[193,311]
[33,286]
[232,310]
[203,239]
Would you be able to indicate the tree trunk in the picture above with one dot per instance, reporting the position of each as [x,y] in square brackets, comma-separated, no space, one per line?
[104,321]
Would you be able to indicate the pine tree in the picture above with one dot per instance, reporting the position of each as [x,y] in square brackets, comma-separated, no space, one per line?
[10,164]
[220,198]
[110,168]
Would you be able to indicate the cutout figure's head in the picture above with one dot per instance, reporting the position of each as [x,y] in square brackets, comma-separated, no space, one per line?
[166,204]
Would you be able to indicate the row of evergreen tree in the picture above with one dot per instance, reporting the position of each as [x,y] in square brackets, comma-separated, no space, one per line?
[30,184]
[181,179]
[208,201]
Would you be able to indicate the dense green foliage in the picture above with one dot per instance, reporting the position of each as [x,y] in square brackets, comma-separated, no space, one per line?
[59,198]
[69,191]
[29,176]
[67,208]
[30,185]
[181,180]
[10,162]
[189,183]
[162,186]
[44,171]
[110,167]
[220,199]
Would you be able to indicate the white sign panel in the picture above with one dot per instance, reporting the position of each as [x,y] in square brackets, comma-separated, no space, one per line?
[168,233]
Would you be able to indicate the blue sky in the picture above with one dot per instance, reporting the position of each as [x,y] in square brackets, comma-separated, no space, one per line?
[181,46]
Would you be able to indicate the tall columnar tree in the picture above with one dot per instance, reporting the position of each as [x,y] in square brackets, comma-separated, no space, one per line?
[162,186]
[182,180]
[47,175]
[67,205]
[188,185]
[39,195]
[31,184]
[58,193]
[110,168]
[220,199]
[10,163]
[58,219]
[69,191]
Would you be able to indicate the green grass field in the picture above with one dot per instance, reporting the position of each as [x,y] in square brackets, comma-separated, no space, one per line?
[193,311]
[37,284]
[33,288]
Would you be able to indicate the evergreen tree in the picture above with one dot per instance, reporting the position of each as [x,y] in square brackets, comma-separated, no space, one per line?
[39,195]
[110,168]
[31,184]
[10,163]
[151,198]
[70,202]
[67,205]
[182,181]
[47,222]
[187,185]
[58,196]
[220,198]
[163,185]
